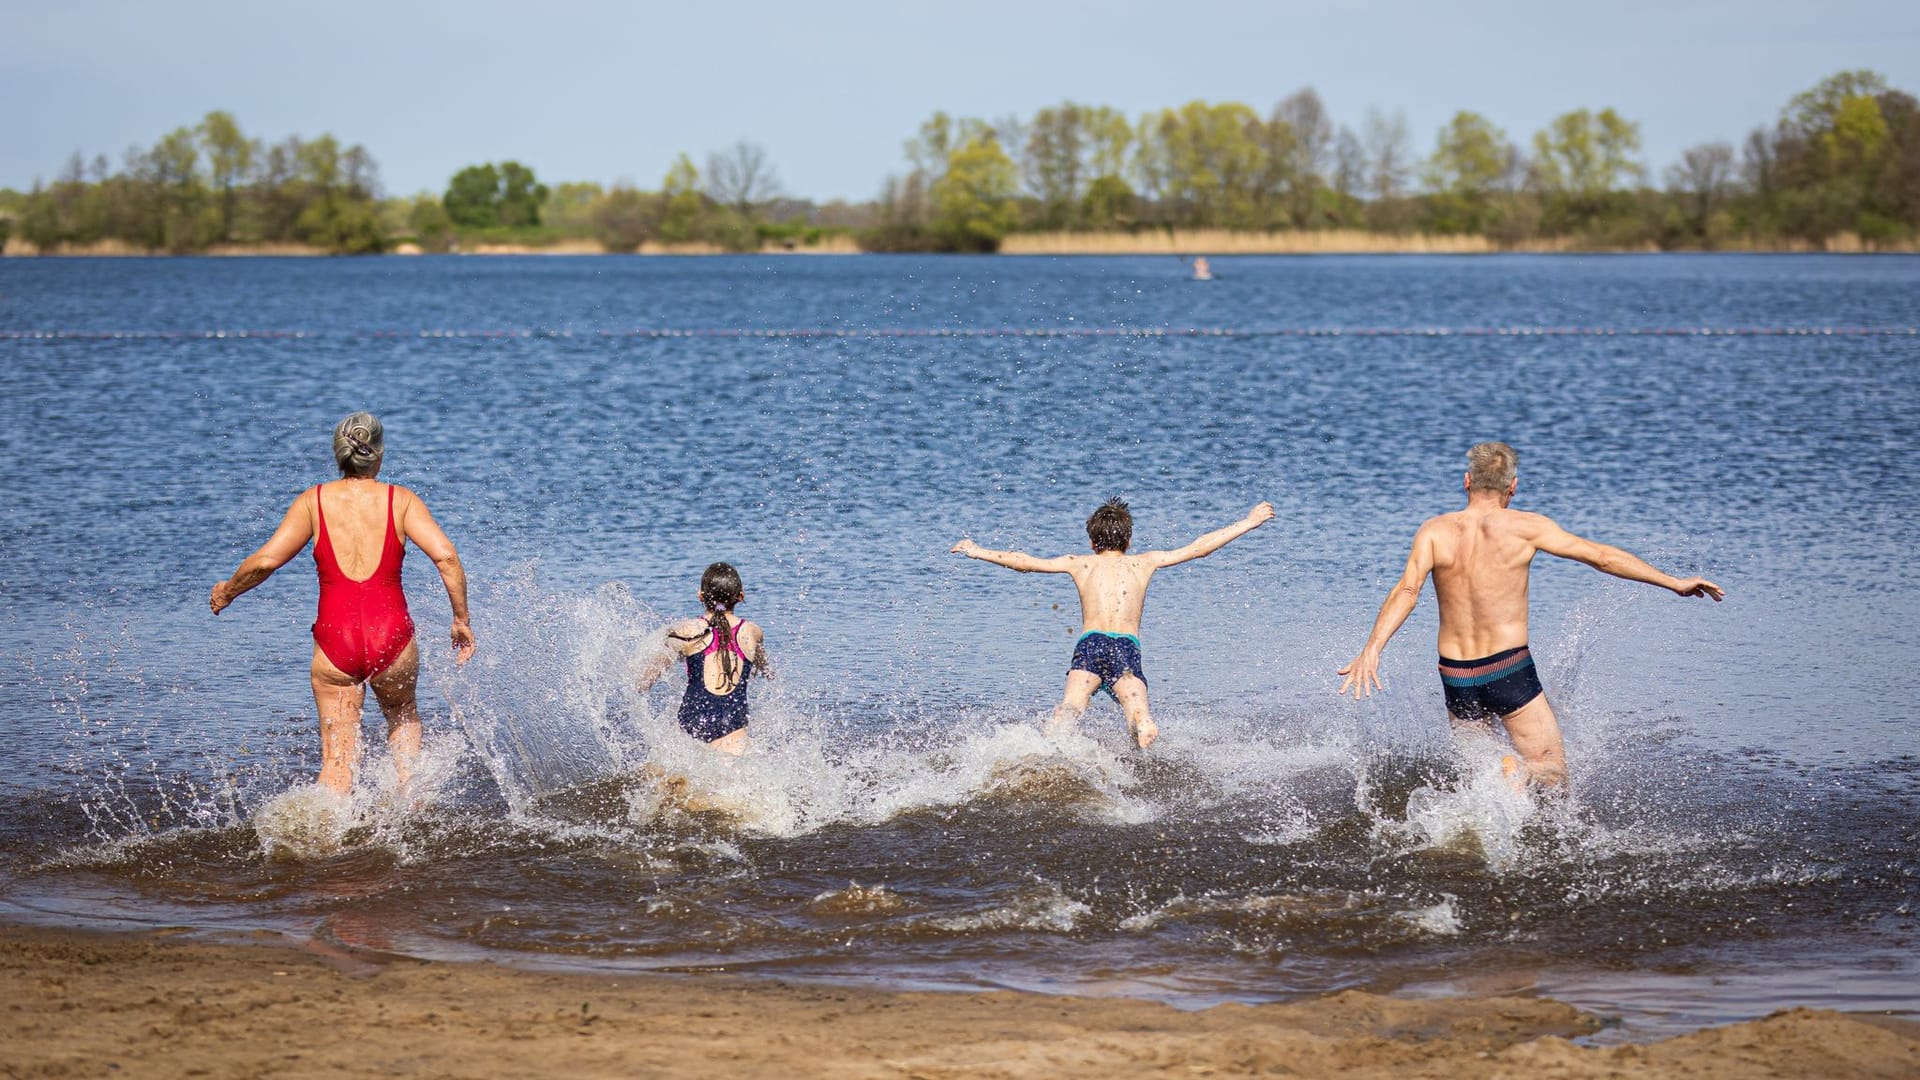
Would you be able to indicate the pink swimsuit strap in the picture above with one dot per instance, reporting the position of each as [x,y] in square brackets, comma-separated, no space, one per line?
[733,639]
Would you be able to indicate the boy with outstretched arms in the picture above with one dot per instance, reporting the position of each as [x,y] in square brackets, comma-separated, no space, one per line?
[1113,594]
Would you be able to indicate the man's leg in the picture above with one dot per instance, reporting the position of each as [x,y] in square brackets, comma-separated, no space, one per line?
[395,688]
[1080,688]
[1132,695]
[1536,734]
[338,699]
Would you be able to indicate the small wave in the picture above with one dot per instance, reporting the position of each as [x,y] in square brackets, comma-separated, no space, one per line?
[305,822]
[1439,920]
[857,900]
[1045,908]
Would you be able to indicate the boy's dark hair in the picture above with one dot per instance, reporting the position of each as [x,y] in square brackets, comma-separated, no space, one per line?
[1111,527]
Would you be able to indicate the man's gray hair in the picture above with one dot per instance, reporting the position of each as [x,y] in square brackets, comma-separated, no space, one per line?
[358,444]
[1491,466]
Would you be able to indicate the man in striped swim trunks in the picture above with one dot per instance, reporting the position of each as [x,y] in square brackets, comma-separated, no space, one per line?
[1479,559]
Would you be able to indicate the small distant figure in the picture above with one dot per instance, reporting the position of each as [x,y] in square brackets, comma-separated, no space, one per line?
[363,635]
[1202,271]
[722,651]
[1113,594]
[1479,559]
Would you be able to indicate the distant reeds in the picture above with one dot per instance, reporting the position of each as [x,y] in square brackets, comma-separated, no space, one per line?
[1240,242]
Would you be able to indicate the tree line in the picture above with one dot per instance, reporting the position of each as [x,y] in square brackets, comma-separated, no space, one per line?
[1841,158]
[206,185]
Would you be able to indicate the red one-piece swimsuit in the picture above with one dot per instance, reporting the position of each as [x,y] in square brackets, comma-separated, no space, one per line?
[363,626]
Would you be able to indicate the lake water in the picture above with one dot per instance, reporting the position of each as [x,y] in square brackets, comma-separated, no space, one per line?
[1745,826]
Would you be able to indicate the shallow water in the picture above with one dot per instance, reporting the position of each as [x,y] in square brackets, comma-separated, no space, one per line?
[1747,804]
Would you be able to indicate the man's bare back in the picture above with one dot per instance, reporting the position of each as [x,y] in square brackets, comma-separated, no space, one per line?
[1479,559]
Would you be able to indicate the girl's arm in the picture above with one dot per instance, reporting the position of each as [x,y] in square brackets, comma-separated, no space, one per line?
[680,640]
[760,652]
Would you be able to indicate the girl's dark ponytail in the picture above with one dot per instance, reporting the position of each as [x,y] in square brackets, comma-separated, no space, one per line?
[720,590]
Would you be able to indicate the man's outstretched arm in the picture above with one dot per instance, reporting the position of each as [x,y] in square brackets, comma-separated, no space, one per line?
[1014,560]
[1215,540]
[1608,559]
[1363,674]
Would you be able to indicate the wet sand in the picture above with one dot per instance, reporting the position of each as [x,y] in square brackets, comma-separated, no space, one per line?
[86,1004]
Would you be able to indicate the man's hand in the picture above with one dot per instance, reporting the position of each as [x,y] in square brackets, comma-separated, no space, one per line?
[1260,514]
[964,547]
[1695,586]
[463,642]
[222,596]
[1363,675]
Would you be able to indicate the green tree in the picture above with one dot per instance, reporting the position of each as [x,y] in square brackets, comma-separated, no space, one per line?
[1109,204]
[174,193]
[1312,141]
[1202,162]
[230,157]
[428,221]
[1585,156]
[1700,182]
[1055,160]
[625,218]
[569,207]
[1815,112]
[973,205]
[520,196]
[473,197]
[1834,151]
[1469,160]
[684,211]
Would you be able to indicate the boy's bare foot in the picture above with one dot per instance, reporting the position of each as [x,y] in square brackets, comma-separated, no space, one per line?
[1144,733]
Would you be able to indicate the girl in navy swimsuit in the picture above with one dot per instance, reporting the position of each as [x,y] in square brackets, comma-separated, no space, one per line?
[722,651]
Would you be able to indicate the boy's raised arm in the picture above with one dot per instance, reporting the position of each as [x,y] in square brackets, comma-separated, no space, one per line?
[1215,540]
[1014,560]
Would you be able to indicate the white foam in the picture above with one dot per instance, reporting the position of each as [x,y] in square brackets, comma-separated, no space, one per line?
[1439,920]
[305,822]
[1045,908]
[1485,811]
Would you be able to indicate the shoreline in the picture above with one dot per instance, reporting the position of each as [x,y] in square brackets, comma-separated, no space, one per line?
[169,1003]
[1214,243]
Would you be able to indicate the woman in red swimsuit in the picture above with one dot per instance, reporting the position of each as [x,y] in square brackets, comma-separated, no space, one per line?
[363,635]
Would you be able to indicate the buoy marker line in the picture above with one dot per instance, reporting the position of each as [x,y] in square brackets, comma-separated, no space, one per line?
[879,333]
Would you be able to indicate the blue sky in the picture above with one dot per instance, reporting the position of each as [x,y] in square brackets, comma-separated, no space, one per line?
[582,89]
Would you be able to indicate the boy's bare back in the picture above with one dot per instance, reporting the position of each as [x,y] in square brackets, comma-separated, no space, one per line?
[1113,589]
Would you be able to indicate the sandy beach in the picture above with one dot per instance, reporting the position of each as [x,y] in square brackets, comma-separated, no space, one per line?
[155,1004]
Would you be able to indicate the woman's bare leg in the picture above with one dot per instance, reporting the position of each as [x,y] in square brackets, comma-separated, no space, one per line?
[338,699]
[396,689]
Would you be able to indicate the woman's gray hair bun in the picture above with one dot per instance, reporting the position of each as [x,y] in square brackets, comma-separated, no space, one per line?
[358,443]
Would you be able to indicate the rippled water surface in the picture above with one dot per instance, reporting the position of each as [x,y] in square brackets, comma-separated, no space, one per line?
[1746,811]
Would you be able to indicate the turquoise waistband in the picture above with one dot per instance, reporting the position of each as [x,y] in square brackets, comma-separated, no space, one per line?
[1103,633]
